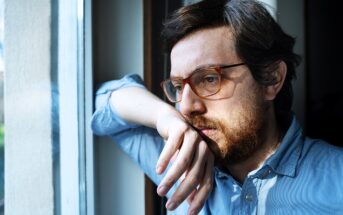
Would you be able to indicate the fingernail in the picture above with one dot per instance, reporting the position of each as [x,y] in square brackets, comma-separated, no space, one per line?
[171,205]
[158,169]
[162,190]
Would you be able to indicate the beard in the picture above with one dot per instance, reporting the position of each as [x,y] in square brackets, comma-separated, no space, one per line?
[235,139]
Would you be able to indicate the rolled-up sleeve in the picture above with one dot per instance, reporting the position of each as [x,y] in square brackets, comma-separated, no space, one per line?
[105,120]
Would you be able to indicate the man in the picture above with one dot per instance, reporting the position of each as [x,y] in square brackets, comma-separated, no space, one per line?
[232,146]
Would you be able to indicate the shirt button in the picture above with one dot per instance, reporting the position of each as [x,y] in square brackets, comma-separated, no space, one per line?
[248,197]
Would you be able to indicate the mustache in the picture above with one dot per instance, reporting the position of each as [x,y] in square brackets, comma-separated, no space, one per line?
[202,122]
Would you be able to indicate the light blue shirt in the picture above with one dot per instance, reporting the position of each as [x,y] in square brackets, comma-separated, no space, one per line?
[303,176]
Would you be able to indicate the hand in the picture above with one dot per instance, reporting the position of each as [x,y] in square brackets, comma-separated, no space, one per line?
[192,159]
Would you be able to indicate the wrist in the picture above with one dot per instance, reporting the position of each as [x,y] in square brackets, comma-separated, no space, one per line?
[163,118]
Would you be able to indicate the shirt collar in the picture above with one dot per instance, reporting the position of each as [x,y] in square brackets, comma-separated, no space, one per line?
[285,159]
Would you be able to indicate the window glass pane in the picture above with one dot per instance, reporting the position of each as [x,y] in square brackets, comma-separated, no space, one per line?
[2,157]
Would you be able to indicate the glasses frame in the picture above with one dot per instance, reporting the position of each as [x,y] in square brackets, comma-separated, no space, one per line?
[218,69]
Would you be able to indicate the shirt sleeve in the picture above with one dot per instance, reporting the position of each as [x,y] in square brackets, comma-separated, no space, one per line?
[142,144]
[105,120]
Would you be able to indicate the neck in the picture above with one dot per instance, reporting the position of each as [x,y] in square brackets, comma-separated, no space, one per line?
[269,142]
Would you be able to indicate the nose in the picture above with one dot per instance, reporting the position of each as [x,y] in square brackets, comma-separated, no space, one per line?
[191,104]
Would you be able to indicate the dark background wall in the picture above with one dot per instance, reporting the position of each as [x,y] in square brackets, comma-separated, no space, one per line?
[324,79]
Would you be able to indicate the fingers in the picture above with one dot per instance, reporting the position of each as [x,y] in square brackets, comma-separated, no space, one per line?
[181,164]
[191,180]
[200,196]
[169,150]
[174,156]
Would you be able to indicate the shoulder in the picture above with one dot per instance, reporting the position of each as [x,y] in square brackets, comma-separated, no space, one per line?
[322,148]
[323,163]
[322,153]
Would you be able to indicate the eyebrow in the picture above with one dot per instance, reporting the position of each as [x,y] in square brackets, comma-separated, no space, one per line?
[205,66]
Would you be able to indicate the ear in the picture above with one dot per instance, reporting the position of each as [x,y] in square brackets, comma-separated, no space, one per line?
[271,91]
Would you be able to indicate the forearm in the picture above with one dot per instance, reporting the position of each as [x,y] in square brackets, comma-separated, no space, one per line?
[138,105]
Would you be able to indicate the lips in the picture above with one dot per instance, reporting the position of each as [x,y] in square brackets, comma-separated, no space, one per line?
[206,127]
[205,131]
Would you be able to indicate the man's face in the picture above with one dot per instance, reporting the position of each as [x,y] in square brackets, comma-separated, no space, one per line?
[232,126]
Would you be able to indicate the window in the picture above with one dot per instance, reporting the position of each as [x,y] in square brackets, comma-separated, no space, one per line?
[2,143]
[47,105]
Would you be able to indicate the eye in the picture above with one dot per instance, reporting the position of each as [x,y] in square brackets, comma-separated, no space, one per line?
[178,86]
[211,79]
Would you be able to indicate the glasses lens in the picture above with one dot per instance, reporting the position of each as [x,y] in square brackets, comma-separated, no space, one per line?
[206,82]
[173,89]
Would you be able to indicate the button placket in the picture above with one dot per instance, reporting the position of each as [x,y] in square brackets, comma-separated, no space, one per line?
[250,194]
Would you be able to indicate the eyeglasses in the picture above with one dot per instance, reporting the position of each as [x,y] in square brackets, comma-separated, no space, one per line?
[207,83]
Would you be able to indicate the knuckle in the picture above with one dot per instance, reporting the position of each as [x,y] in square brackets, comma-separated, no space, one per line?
[194,134]
[178,197]
[203,148]
[208,180]
[197,205]
[183,162]
[169,181]
[193,179]
[208,187]
[183,127]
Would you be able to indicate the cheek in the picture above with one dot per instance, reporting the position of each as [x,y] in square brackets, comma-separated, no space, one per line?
[242,104]
[227,110]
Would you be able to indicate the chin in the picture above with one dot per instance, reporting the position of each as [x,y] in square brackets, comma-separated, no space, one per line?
[218,146]
[234,150]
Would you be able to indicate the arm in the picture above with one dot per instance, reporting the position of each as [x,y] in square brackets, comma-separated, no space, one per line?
[136,105]
[139,106]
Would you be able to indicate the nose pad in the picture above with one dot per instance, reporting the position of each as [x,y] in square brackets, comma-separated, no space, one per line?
[191,104]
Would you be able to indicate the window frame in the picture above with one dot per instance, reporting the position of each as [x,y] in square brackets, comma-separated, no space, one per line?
[75,83]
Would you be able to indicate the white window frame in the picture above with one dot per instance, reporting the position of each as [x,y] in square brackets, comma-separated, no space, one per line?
[76,107]
[44,38]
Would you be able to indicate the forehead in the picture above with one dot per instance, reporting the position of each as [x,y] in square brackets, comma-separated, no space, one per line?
[211,46]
